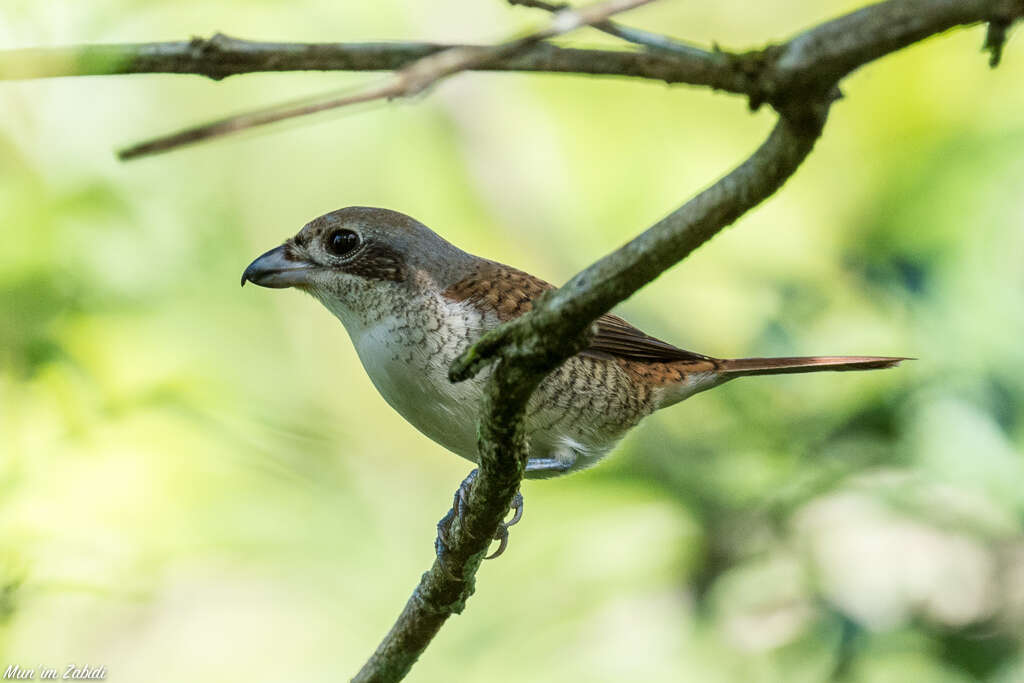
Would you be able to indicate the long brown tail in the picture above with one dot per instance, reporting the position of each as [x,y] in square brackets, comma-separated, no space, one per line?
[738,367]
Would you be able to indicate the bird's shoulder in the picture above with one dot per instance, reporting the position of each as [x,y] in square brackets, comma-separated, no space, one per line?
[508,293]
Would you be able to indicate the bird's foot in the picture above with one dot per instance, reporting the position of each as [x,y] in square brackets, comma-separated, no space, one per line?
[458,511]
[501,535]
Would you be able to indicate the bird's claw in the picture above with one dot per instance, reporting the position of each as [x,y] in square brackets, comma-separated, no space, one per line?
[501,535]
[458,510]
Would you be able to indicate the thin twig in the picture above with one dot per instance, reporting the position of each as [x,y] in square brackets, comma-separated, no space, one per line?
[646,39]
[406,82]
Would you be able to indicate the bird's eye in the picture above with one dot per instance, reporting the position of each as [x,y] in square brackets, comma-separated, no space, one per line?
[341,242]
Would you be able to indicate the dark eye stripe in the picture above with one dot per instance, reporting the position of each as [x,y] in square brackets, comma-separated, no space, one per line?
[378,262]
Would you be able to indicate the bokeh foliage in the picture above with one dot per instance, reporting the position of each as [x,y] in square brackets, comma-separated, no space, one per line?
[199,482]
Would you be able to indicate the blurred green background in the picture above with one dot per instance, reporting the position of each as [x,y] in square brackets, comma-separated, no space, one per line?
[199,483]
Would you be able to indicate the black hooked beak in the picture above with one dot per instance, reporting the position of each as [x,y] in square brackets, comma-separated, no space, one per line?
[275,269]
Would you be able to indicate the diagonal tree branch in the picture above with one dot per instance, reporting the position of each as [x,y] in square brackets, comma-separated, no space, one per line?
[406,82]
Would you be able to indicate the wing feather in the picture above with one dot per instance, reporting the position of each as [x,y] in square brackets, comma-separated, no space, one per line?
[510,293]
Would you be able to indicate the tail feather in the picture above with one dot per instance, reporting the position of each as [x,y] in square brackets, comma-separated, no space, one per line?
[739,367]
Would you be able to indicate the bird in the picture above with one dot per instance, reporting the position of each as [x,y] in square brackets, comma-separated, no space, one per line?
[412,302]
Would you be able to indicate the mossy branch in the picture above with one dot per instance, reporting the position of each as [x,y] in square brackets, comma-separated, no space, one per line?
[800,79]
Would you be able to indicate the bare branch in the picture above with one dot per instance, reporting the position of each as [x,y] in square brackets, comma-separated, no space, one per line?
[746,74]
[221,56]
[408,81]
[821,56]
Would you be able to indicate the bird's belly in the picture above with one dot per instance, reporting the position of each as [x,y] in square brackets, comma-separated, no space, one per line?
[581,411]
[574,419]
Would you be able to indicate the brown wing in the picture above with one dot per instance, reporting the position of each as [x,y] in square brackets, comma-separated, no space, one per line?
[510,293]
[616,337]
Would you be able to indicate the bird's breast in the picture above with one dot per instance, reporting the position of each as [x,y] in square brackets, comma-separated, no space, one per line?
[407,357]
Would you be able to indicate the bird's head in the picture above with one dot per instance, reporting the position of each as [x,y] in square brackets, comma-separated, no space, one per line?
[359,259]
